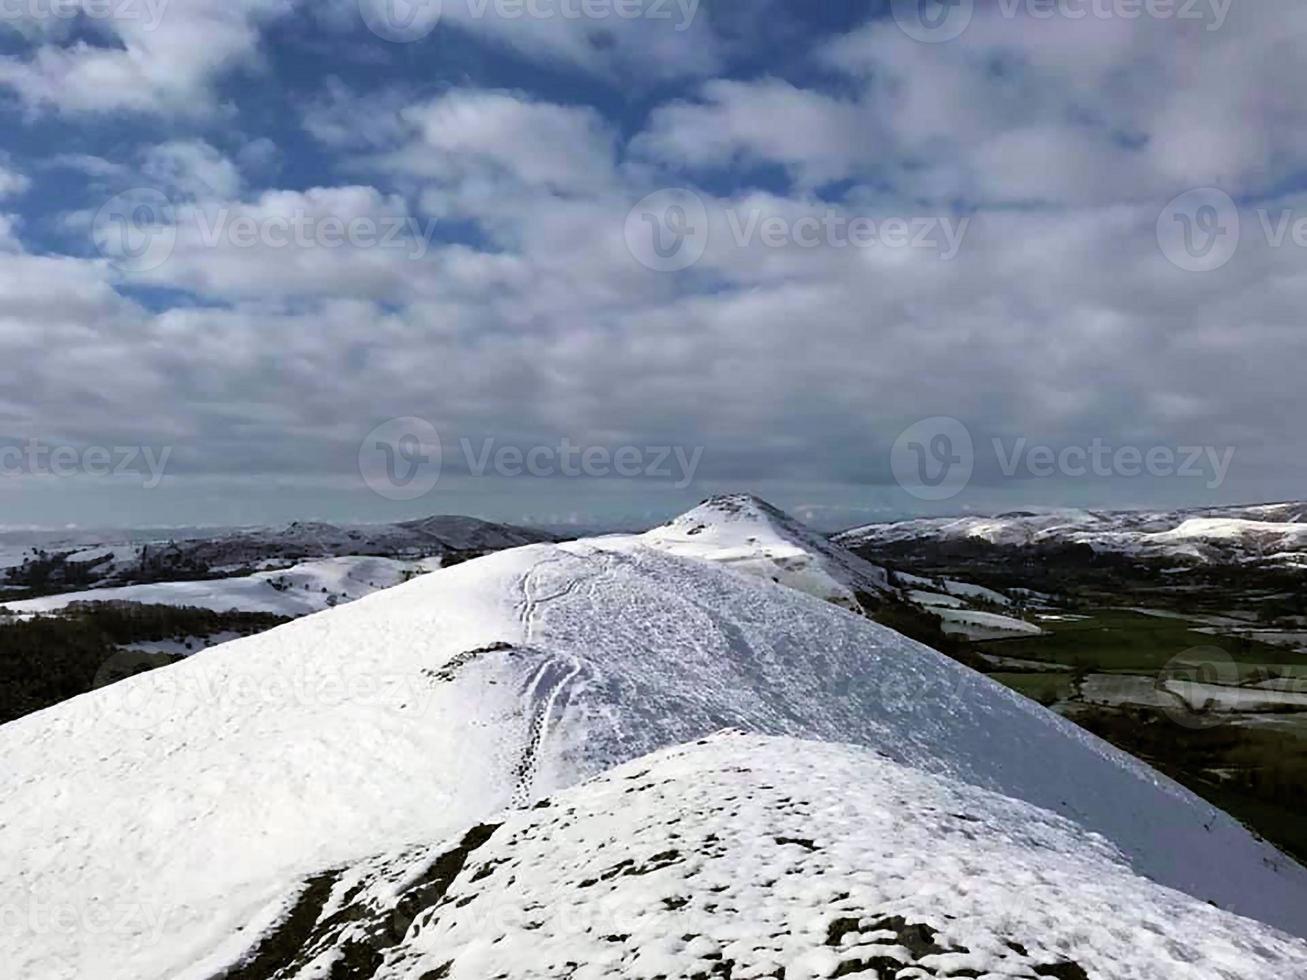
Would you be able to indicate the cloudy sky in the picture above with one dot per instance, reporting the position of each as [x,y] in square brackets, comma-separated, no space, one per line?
[266,259]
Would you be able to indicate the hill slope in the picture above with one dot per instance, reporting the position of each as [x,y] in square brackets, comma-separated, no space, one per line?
[741,856]
[188,800]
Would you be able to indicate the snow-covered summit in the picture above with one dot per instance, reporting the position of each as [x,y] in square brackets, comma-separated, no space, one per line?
[750,534]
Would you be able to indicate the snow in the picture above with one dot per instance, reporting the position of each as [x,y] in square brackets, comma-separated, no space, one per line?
[904,578]
[181,805]
[1286,536]
[307,587]
[1017,529]
[752,857]
[1274,531]
[972,591]
[753,536]
[1296,682]
[1021,664]
[1119,689]
[1219,697]
[1284,694]
[978,625]
[1297,640]
[935,600]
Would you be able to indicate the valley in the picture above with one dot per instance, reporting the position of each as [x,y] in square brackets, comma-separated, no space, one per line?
[1193,660]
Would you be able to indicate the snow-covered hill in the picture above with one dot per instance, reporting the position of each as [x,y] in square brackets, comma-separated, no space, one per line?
[755,537]
[743,856]
[1274,532]
[112,561]
[303,588]
[182,806]
[315,539]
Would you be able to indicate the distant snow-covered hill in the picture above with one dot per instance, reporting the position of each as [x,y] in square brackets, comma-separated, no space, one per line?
[205,808]
[111,563]
[1260,533]
[303,588]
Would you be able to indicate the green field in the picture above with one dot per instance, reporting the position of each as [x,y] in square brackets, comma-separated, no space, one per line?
[1045,688]
[1131,642]
[1256,773]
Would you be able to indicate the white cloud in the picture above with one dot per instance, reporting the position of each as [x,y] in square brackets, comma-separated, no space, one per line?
[285,245]
[640,42]
[1059,320]
[12,183]
[158,56]
[192,168]
[487,136]
[9,241]
[89,164]
[819,137]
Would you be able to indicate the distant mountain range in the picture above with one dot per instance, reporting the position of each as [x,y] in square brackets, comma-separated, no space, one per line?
[111,564]
[1268,533]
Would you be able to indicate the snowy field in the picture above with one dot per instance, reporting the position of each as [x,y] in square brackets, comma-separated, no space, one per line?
[976,624]
[1217,697]
[304,588]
